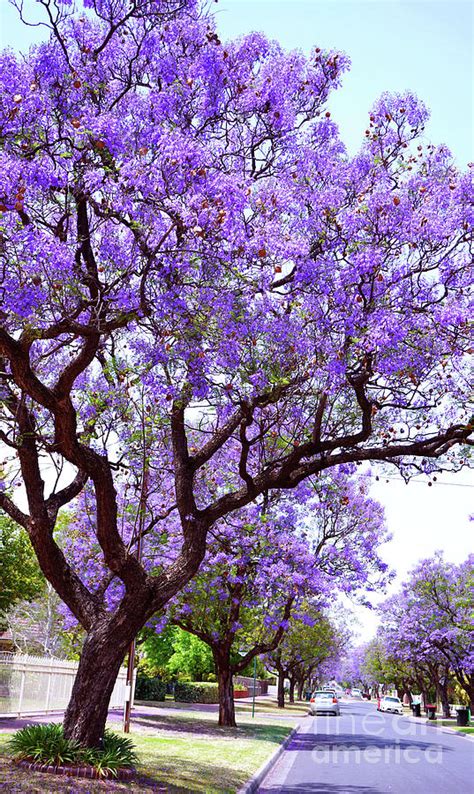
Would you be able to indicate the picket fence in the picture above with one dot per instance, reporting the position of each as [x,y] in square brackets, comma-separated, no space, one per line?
[38,685]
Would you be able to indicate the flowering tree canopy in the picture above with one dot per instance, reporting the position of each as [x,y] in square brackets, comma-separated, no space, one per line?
[190,258]
[263,570]
[428,626]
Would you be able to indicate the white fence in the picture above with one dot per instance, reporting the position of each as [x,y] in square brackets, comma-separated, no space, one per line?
[38,685]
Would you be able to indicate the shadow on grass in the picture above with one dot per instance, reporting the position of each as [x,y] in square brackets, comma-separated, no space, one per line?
[212,777]
[205,728]
[201,777]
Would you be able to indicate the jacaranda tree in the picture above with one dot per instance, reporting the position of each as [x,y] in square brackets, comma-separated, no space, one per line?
[204,298]
[269,569]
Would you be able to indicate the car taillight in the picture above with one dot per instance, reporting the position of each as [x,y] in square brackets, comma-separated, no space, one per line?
[311,700]
[334,700]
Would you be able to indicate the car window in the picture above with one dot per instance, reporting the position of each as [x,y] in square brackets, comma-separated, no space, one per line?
[323,695]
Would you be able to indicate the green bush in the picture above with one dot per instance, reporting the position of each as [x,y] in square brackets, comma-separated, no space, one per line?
[196,692]
[239,687]
[117,753]
[150,689]
[48,745]
[45,743]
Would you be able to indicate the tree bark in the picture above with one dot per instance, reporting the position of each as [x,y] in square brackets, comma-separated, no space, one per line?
[102,655]
[444,697]
[225,682]
[281,688]
[300,688]
[292,690]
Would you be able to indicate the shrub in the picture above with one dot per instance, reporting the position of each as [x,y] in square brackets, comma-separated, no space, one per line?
[240,688]
[45,743]
[48,745]
[150,689]
[196,692]
[117,753]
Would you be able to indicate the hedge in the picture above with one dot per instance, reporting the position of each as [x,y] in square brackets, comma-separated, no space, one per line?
[149,688]
[200,691]
[196,692]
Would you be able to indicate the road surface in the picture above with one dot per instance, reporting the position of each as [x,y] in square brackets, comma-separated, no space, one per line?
[367,752]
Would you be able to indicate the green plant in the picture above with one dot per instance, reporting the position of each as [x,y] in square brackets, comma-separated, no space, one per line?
[196,692]
[117,753]
[47,744]
[150,688]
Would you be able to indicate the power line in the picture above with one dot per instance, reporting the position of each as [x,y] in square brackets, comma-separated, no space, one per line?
[420,482]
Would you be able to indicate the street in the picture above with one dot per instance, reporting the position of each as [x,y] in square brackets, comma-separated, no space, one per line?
[367,752]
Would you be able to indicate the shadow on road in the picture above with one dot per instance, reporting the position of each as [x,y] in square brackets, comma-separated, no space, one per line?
[319,788]
[309,742]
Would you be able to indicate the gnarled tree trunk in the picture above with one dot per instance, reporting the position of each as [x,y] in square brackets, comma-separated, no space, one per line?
[102,655]
[225,682]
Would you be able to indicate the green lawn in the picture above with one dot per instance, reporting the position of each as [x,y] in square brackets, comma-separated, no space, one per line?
[267,705]
[184,752]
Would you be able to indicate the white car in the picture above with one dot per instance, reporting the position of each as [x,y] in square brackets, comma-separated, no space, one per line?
[356,693]
[324,702]
[391,704]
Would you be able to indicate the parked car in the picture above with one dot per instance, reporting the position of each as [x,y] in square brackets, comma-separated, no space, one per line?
[356,693]
[324,702]
[390,704]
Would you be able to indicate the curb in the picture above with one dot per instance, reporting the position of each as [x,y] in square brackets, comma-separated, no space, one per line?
[254,782]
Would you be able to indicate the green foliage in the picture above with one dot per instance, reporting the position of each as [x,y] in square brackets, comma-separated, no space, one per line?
[196,692]
[45,743]
[149,688]
[175,653]
[22,579]
[48,745]
[117,753]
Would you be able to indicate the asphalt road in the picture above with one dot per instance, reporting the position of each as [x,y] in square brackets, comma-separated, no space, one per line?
[367,752]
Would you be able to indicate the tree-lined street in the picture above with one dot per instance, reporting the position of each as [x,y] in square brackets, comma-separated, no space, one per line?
[367,752]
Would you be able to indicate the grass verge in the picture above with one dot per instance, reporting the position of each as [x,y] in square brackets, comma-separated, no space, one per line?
[178,753]
[461,729]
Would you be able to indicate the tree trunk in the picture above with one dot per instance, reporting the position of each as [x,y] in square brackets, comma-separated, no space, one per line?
[407,692]
[300,688]
[102,655]
[292,690]
[226,688]
[281,688]
[444,697]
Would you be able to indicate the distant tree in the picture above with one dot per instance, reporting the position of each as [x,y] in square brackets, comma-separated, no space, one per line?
[311,640]
[21,576]
[428,626]
[39,626]
[175,653]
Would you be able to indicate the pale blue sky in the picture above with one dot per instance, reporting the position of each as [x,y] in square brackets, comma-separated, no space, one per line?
[423,46]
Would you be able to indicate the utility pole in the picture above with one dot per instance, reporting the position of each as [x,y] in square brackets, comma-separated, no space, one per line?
[131,651]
